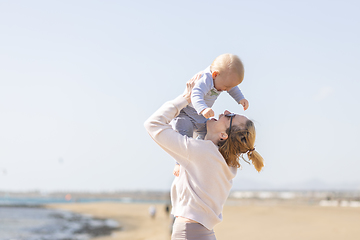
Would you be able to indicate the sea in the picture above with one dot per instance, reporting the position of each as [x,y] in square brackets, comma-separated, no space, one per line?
[27,219]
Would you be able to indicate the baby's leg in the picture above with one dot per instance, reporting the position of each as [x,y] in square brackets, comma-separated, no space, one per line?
[200,130]
[182,123]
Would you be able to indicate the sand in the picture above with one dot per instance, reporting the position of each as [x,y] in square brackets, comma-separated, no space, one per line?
[250,222]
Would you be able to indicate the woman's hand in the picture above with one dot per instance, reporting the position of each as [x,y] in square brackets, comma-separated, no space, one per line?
[189,86]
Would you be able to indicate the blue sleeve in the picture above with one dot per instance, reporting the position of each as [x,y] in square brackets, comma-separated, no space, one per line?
[201,88]
[236,94]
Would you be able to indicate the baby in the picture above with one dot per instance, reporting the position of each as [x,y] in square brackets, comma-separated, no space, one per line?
[224,74]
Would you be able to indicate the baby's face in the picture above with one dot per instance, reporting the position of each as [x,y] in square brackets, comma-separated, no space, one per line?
[225,82]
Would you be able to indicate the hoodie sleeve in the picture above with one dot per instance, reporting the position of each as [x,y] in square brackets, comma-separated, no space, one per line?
[159,128]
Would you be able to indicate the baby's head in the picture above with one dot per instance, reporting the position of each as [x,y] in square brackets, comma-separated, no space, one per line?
[227,71]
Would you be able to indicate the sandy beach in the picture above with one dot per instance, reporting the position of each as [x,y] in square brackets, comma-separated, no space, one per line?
[250,222]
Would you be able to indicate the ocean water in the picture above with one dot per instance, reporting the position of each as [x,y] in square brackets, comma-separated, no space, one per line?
[30,221]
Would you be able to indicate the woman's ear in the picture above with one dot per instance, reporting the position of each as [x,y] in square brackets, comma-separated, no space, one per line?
[223,136]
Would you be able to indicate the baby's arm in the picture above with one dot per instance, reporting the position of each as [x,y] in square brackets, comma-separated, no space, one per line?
[208,113]
[201,88]
[237,95]
[244,103]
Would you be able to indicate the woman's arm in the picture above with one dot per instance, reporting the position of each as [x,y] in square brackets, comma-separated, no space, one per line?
[161,131]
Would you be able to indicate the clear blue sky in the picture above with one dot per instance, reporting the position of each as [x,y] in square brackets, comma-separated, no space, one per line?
[79,78]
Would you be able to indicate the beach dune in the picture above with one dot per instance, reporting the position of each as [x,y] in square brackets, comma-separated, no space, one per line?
[250,222]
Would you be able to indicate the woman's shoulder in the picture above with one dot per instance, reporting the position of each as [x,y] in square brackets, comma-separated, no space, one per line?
[199,148]
[201,143]
[205,155]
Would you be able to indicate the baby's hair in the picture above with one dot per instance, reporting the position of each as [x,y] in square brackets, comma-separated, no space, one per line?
[241,140]
[226,63]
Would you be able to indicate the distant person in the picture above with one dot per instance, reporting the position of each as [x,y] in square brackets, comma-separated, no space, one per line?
[224,74]
[152,211]
[208,166]
[167,209]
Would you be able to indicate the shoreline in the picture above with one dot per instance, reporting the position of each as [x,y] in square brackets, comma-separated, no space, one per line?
[23,221]
[283,221]
[133,218]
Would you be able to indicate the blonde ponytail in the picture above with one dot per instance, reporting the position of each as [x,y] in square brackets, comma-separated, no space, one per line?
[241,140]
[256,160]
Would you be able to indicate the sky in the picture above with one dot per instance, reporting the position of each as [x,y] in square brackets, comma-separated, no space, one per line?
[79,78]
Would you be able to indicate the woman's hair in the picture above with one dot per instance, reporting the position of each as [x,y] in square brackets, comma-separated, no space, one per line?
[228,63]
[241,140]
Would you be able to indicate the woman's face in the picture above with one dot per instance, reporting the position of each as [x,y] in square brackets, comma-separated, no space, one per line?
[214,126]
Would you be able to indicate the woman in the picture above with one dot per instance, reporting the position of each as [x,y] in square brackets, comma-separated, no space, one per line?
[207,166]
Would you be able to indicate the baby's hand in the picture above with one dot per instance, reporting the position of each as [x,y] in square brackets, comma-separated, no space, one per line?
[244,103]
[176,170]
[208,113]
